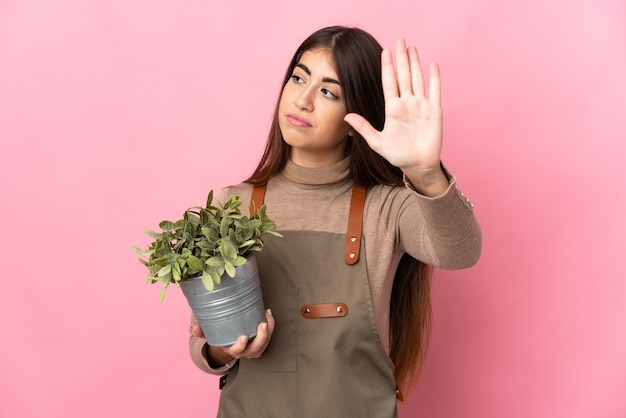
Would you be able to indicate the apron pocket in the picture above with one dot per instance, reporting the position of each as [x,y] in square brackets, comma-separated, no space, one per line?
[281,353]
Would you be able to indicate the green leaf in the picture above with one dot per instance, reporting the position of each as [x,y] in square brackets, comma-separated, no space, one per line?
[215,261]
[153,234]
[255,249]
[217,278]
[240,261]
[253,224]
[230,269]
[167,226]
[192,219]
[228,250]
[224,226]
[176,273]
[195,263]
[165,270]
[139,251]
[248,243]
[207,281]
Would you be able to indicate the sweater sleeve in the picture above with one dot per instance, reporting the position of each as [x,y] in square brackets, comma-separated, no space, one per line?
[197,351]
[440,231]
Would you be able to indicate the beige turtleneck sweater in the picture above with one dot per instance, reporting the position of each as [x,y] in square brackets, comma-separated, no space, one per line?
[442,231]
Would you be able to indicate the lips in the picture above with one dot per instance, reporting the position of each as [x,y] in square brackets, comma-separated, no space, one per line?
[298,121]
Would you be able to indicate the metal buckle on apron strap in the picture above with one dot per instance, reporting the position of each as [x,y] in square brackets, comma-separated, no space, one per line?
[223,380]
[399,394]
[324,310]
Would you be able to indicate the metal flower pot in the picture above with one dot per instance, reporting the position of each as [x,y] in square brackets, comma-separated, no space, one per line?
[233,308]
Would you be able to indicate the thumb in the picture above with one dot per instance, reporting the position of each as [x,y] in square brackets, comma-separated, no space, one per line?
[363,127]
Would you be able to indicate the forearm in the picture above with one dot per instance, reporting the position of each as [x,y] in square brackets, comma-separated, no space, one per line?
[445,232]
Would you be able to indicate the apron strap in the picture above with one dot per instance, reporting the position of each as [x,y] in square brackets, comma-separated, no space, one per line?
[355,224]
[258,197]
[355,218]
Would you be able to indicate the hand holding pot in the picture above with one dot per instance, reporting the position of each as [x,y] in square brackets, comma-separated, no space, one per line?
[244,347]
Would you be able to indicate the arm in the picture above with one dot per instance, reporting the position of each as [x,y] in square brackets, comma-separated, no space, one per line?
[436,223]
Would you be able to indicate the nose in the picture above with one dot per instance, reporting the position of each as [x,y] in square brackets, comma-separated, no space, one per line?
[305,100]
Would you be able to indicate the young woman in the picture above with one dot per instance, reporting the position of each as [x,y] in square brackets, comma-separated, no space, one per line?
[352,176]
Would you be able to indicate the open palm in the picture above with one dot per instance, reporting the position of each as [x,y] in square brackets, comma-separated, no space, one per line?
[412,136]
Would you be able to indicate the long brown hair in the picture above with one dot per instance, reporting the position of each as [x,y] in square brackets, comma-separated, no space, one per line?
[356,55]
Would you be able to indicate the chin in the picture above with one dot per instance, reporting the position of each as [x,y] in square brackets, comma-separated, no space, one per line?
[293,139]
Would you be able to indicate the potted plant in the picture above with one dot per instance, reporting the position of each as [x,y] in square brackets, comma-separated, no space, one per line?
[210,255]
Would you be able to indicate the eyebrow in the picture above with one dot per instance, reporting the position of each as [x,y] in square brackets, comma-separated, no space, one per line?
[325,79]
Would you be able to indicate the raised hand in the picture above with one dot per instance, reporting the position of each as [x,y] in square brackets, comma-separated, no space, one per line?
[412,136]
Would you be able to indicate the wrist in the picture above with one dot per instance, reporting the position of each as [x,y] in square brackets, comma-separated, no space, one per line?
[427,182]
[216,357]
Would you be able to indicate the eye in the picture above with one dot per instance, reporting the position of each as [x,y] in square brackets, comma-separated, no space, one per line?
[329,94]
[297,79]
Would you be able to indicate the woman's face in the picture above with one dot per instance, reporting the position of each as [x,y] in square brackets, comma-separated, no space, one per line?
[311,111]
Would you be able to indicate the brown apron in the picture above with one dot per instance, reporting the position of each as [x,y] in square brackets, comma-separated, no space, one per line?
[325,358]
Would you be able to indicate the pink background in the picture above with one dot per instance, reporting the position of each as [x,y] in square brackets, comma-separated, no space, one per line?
[117,114]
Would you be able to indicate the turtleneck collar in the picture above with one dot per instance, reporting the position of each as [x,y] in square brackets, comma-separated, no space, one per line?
[317,176]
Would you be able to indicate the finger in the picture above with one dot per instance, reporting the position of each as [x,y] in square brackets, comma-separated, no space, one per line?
[196,331]
[434,89]
[388,74]
[364,128]
[403,68]
[417,78]
[263,334]
[236,350]
[271,323]
[257,345]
